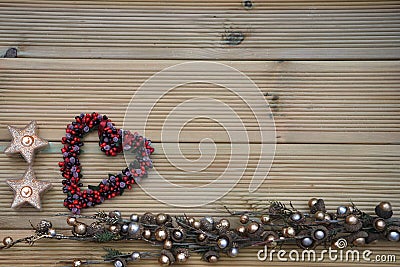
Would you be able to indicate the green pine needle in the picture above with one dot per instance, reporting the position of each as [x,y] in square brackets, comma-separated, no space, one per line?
[112,254]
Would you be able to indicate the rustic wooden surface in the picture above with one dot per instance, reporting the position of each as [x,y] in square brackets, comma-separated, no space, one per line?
[329,70]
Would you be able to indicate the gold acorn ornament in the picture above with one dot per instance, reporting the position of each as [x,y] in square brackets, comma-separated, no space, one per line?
[253,227]
[196,225]
[330,216]
[168,244]
[357,238]
[241,230]
[317,205]
[319,215]
[379,224]
[352,223]
[384,210]
[312,202]
[115,229]
[244,219]
[202,239]
[166,258]
[181,255]
[161,234]
[223,225]
[191,220]
[254,230]
[80,229]
[265,219]
[288,232]
[146,234]
[163,218]
[7,241]
[211,256]
[77,263]
[71,221]
[270,238]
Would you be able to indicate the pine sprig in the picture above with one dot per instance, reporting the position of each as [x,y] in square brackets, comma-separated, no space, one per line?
[112,254]
[105,236]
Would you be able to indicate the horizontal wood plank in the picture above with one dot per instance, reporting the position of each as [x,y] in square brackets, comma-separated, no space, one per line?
[328,69]
[311,101]
[271,30]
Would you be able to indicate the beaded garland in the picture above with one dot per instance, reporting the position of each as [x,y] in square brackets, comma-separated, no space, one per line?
[111,141]
[268,227]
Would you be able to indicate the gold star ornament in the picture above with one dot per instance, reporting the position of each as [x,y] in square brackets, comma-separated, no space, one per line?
[25,141]
[28,189]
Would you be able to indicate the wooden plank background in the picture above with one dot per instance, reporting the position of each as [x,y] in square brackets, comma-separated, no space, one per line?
[329,70]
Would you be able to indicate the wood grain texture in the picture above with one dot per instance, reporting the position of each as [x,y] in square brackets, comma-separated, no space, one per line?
[346,104]
[329,70]
[272,30]
[311,101]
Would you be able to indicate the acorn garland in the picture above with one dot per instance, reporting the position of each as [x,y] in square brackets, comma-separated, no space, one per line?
[111,141]
[179,237]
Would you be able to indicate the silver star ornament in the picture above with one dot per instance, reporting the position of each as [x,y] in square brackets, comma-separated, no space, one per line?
[25,141]
[28,190]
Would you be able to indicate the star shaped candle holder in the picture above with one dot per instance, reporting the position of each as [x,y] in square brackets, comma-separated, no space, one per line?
[28,190]
[25,141]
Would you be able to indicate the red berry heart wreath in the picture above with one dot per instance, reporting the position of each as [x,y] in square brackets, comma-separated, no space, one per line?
[112,141]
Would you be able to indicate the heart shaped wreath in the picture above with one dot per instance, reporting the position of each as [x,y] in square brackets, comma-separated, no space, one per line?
[111,141]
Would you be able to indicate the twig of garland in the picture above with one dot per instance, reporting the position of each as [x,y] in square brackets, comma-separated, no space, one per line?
[179,236]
